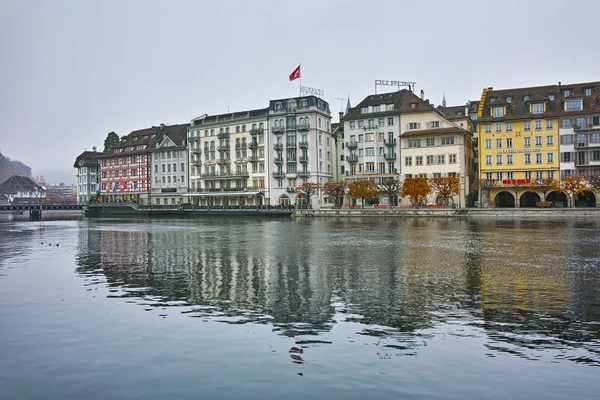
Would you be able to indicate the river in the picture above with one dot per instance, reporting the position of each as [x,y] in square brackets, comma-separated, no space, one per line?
[231,308]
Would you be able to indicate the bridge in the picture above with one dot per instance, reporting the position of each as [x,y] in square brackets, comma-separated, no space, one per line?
[35,208]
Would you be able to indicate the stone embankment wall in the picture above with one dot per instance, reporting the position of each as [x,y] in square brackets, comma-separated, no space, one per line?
[549,213]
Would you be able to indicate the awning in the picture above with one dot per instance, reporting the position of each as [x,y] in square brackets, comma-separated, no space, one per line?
[220,194]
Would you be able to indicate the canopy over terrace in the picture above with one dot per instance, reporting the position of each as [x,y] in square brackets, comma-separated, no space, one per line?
[225,198]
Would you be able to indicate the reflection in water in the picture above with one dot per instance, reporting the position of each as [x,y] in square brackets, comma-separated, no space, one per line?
[527,288]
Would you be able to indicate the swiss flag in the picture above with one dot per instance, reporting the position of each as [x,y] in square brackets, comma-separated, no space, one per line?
[296,74]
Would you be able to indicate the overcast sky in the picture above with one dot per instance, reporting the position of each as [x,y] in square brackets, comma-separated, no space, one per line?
[72,71]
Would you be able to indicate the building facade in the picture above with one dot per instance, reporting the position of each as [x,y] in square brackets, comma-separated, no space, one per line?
[88,175]
[228,159]
[169,167]
[125,168]
[301,147]
[21,189]
[518,142]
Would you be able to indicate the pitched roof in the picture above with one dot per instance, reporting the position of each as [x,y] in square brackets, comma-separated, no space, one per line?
[452,112]
[145,137]
[404,101]
[520,98]
[19,183]
[90,158]
[434,131]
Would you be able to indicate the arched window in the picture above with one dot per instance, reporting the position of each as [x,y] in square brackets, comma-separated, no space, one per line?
[243,128]
[221,130]
[301,121]
[319,122]
[253,126]
[260,125]
[237,129]
[227,130]
[278,106]
[212,132]
[243,141]
[276,123]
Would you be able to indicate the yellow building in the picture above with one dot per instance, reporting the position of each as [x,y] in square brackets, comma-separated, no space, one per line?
[518,143]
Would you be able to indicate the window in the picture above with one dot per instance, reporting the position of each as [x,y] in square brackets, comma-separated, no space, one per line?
[408,161]
[596,155]
[369,137]
[419,160]
[499,159]
[566,157]
[430,160]
[580,123]
[509,127]
[488,176]
[537,108]
[370,151]
[381,122]
[566,123]
[538,158]
[538,125]
[434,124]
[509,99]
[498,176]
[414,142]
[488,128]
[414,125]
[549,140]
[447,140]
[488,160]
[509,143]
[566,139]
[497,111]
[510,176]
[391,119]
[527,174]
[429,142]
[352,124]
[371,123]
[526,98]
[551,174]
[488,143]
[581,140]
[441,159]
[573,105]
[364,110]
[498,143]
[451,158]
[595,138]
[549,124]
[588,91]
[360,138]
[413,105]
[538,140]
[499,127]
[361,124]
[509,159]
[527,158]
[527,125]
[550,157]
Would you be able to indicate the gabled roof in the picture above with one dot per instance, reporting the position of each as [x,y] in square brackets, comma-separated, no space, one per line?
[452,112]
[90,158]
[147,138]
[435,131]
[19,183]
[404,101]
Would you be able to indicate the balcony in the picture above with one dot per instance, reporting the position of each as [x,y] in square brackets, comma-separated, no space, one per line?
[278,130]
[278,175]
[278,160]
[304,160]
[291,145]
[223,148]
[253,145]
[290,189]
[390,156]
[226,175]
[239,146]
[303,145]
[222,135]
[303,127]
[390,142]
[196,163]
[253,159]
[257,131]
[223,160]
[303,174]
[290,128]
[352,158]
[278,146]
[196,150]
[352,144]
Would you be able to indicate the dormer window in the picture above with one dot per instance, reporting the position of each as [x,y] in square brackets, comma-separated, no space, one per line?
[537,108]
[303,103]
[413,105]
[509,99]
[526,97]
[566,92]
[364,110]
[375,108]
[588,91]
[551,97]
[278,106]
[459,113]
[497,111]
[573,105]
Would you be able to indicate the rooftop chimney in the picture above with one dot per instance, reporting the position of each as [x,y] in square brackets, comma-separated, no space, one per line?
[422,94]
[341,115]
[94,149]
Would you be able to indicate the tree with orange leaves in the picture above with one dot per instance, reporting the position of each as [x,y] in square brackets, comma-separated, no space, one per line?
[570,185]
[364,189]
[445,187]
[416,189]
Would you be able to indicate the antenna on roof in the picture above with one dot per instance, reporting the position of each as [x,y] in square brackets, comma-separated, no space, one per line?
[342,102]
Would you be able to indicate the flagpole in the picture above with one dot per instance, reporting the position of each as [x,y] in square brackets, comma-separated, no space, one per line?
[300,88]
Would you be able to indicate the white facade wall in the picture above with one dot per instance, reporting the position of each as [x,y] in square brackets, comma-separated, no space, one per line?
[567,148]
[88,178]
[169,174]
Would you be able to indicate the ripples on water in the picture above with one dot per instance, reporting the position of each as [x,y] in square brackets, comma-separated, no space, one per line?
[527,290]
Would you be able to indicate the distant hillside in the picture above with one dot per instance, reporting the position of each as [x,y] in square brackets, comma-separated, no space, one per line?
[10,167]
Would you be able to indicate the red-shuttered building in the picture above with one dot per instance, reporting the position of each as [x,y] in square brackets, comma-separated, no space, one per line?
[125,168]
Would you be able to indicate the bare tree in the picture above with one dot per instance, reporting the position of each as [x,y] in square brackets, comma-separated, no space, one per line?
[335,189]
[391,187]
[308,189]
[484,185]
